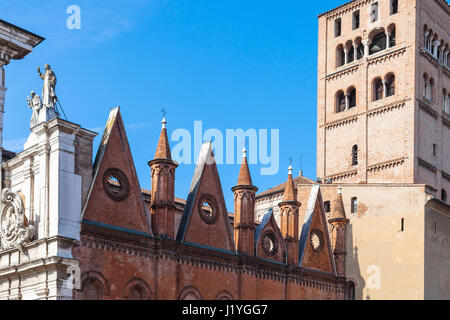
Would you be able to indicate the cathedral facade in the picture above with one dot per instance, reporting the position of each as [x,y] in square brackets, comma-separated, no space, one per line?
[75,227]
[75,223]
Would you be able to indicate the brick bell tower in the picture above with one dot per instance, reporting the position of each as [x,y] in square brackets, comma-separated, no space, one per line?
[338,223]
[289,220]
[163,187]
[244,210]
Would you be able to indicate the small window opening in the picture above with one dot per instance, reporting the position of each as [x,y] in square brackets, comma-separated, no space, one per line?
[394,6]
[374,12]
[354,205]
[355,155]
[327,206]
[403,224]
[356,20]
[337,27]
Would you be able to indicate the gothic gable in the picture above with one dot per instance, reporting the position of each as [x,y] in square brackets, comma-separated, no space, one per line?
[269,242]
[115,195]
[205,218]
[315,246]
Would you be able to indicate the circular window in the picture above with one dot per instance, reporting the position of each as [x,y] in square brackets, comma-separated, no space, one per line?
[208,210]
[269,243]
[316,240]
[116,184]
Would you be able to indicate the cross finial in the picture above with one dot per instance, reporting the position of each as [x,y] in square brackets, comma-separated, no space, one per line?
[164,112]
[290,166]
[164,122]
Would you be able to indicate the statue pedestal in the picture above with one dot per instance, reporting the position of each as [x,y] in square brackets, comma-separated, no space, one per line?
[46,114]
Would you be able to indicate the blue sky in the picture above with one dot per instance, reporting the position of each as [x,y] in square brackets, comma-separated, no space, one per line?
[230,64]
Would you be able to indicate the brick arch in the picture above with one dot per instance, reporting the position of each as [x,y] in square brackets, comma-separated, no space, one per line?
[224,295]
[389,80]
[98,281]
[137,284]
[190,293]
[339,101]
[376,94]
[340,56]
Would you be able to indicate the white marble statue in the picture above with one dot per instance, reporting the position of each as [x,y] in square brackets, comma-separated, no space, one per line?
[35,104]
[44,110]
[48,91]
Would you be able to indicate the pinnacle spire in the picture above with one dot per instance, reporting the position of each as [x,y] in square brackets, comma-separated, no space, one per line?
[338,211]
[163,149]
[289,188]
[244,174]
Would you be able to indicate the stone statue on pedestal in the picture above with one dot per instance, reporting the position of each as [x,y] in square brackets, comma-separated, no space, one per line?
[45,109]
[35,104]
[48,91]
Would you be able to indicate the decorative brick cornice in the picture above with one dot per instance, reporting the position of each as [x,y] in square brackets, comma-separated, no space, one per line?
[425,106]
[341,122]
[446,121]
[386,56]
[344,8]
[371,113]
[427,165]
[446,71]
[427,54]
[387,108]
[342,175]
[386,164]
[164,249]
[444,5]
[340,73]
[445,175]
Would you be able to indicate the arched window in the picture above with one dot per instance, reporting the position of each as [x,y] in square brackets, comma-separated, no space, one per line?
[350,291]
[443,195]
[425,37]
[351,54]
[394,6]
[351,93]
[430,94]
[378,43]
[447,105]
[224,295]
[390,85]
[355,155]
[190,293]
[430,40]
[136,289]
[359,48]
[445,101]
[377,89]
[340,101]
[340,56]
[392,36]
[93,289]
[425,86]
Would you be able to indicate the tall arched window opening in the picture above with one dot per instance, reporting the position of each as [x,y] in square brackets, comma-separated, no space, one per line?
[378,43]
[390,85]
[377,89]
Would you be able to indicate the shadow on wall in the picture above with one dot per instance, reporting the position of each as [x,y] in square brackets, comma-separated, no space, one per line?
[353,268]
